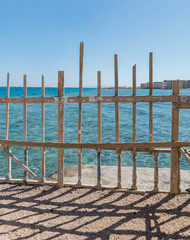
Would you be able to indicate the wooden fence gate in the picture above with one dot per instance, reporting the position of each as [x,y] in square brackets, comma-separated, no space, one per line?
[174,146]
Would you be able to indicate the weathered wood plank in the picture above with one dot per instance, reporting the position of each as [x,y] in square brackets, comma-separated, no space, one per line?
[134,104]
[7,108]
[42,111]
[150,103]
[7,129]
[60,163]
[43,129]
[25,127]
[99,132]
[25,109]
[150,73]
[184,106]
[92,99]
[185,155]
[116,94]
[111,146]
[175,170]
[99,107]
[184,101]
[156,189]
[117,120]
[119,168]
[134,173]
[80,111]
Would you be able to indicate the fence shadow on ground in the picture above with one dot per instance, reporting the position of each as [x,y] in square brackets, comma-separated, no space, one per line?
[44,212]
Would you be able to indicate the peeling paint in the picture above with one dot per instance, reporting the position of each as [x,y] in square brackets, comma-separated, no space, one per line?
[64,99]
[56,99]
[100,98]
[185,99]
[109,100]
[92,99]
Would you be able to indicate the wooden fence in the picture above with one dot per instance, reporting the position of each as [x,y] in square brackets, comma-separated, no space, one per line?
[174,146]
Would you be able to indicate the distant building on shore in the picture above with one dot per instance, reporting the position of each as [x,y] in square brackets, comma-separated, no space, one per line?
[166,84]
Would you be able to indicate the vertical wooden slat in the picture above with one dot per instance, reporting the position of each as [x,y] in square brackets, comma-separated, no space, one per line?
[119,168]
[156,189]
[116,74]
[25,128]
[117,120]
[150,104]
[175,168]
[134,174]
[7,107]
[43,129]
[42,111]
[80,112]
[116,104]
[134,104]
[7,129]
[99,107]
[99,132]
[25,110]
[60,164]
[150,73]
[179,176]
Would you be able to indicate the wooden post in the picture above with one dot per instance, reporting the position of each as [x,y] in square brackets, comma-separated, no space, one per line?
[134,104]
[175,168]
[119,168]
[134,174]
[179,176]
[80,112]
[99,132]
[7,129]
[43,130]
[7,108]
[150,73]
[25,128]
[156,189]
[60,164]
[117,120]
[150,104]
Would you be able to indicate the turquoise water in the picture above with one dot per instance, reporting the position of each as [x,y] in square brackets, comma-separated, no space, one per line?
[161,128]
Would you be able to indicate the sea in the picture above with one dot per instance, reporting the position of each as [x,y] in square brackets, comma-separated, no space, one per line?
[162,113]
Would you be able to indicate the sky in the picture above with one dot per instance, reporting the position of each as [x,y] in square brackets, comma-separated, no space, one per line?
[43,37]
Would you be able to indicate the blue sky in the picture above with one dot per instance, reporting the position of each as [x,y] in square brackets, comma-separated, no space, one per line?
[42,36]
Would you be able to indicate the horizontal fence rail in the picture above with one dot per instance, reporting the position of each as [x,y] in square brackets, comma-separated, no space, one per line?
[108,146]
[92,99]
[175,148]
